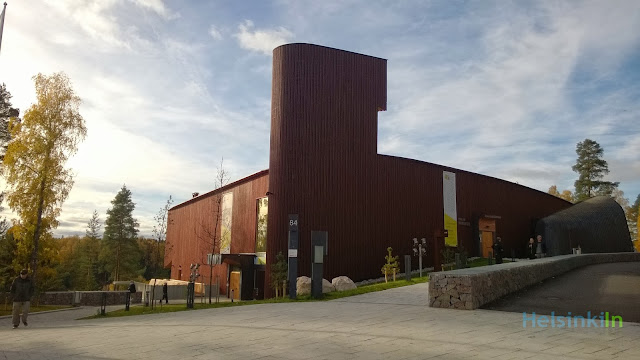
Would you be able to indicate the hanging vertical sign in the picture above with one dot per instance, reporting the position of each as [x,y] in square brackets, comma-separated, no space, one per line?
[226,219]
[450,213]
[292,276]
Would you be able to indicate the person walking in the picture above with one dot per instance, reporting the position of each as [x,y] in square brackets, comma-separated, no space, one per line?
[132,290]
[540,248]
[21,290]
[165,293]
[498,249]
[531,249]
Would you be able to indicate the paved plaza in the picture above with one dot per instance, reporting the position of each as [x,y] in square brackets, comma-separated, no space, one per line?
[612,287]
[391,324]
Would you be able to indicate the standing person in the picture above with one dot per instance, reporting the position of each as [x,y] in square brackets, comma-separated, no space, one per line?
[531,249]
[132,290]
[498,250]
[540,248]
[165,293]
[22,290]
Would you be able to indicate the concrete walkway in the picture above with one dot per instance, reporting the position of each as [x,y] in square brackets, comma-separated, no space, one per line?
[391,324]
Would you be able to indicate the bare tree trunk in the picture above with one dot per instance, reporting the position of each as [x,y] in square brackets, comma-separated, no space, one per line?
[158,260]
[213,245]
[210,280]
[117,274]
[36,234]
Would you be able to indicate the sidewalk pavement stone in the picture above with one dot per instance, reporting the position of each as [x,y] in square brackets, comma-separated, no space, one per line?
[391,324]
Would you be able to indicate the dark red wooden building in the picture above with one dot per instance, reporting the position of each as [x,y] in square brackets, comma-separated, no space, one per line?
[324,166]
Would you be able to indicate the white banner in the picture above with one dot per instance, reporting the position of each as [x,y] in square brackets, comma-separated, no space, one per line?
[450,210]
[225,233]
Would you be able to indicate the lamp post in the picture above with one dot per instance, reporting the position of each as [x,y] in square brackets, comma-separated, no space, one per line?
[419,248]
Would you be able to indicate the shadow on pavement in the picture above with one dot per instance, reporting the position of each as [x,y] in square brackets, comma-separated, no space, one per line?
[601,288]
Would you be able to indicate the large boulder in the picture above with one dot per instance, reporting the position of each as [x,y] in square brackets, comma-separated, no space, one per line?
[327,286]
[303,286]
[342,283]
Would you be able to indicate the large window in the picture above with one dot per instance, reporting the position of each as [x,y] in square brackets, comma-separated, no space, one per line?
[262,210]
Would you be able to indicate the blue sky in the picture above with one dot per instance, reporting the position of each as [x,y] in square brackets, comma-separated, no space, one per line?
[500,88]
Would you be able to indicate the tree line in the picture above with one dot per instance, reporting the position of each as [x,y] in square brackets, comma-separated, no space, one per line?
[591,169]
[92,261]
[34,150]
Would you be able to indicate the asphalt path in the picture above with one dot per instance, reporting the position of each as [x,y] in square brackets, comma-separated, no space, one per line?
[610,287]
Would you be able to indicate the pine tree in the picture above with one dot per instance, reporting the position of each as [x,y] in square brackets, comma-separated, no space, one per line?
[119,251]
[88,255]
[591,168]
[6,113]
[93,227]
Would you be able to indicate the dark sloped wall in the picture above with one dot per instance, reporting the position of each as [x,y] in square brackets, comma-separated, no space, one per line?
[597,225]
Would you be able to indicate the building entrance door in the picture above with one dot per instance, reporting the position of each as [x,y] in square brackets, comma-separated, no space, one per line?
[487,243]
[487,228]
[234,285]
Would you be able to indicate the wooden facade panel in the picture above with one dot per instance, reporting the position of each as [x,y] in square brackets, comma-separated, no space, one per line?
[512,207]
[190,223]
[323,150]
[324,167]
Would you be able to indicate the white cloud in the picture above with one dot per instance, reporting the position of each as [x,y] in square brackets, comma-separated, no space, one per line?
[491,89]
[94,19]
[509,95]
[215,33]
[263,41]
[156,6]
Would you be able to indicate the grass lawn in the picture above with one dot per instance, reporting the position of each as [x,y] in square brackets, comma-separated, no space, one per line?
[6,309]
[145,310]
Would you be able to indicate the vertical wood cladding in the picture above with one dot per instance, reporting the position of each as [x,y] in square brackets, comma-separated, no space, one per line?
[411,205]
[323,151]
[190,222]
[324,167]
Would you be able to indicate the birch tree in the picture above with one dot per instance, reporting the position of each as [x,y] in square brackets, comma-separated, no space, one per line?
[35,158]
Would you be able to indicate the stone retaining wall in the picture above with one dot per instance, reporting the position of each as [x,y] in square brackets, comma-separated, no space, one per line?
[80,298]
[471,288]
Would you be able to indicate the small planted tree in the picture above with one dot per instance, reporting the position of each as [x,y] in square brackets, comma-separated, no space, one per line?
[448,256]
[463,256]
[279,273]
[391,267]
